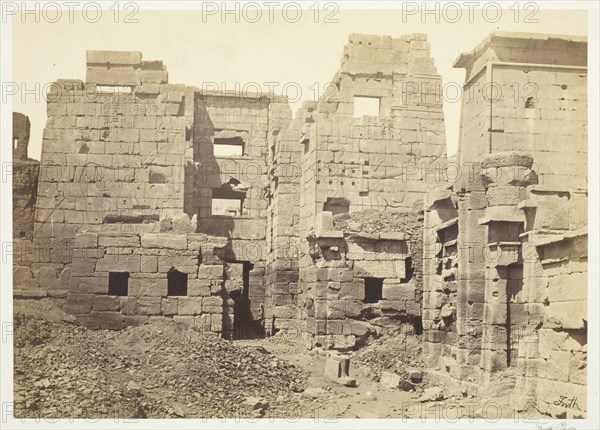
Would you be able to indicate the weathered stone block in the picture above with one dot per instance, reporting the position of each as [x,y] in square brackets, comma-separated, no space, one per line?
[353,308]
[182,263]
[336,309]
[390,380]
[398,292]
[285,312]
[83,266]
[149,305]
[210,271]
[213,301]
[186,321]
[161,240]
[190,305]
[117,263]
[202,322]
[117,76]
[566,315]
[86,240]
[118,240]
[80,303]
[358,328]
[169,306]
[149,263]
[107,303]
[129,305]
[199,287]
[130,58]
[216,323]
[353,290]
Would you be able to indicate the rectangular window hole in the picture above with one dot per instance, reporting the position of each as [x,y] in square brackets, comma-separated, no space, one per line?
[176,283]
[366,106]
[228,207]
[118,283]
[228,146]
[373,290]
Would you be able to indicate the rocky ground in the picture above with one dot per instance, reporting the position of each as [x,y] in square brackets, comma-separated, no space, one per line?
[160,370]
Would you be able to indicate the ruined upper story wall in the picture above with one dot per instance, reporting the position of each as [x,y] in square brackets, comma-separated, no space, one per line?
[399,71]
[24,180]
[112,158]
[21,128]
[525,48]
[527,93]
[377,160]
[244,123]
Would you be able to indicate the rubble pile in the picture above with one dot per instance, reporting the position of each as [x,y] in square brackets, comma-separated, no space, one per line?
[396,353]
[156,370]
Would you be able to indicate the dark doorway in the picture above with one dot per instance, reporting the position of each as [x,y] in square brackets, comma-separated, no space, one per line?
[118,283]
[373,290]
[245,324]
[176,283]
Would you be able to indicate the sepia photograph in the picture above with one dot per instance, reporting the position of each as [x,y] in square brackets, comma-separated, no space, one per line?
[308,214]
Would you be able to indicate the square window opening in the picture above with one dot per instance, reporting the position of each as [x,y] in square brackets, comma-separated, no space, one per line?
[337,205]
[118,283]
[228,146]
[227,207]
[366,106]
[373,290]
[177,283]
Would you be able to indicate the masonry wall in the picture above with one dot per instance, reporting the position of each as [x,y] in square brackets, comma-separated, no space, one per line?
[366,163]
[283,217]
[112,160]
[512,202]
[562,384]
[146,259]
[255,120]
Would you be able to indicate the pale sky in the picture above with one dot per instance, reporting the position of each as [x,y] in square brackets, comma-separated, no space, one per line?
[301,53]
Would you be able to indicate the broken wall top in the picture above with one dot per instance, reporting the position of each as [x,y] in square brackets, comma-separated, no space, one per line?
[367,54]
[123,68]
[530,48]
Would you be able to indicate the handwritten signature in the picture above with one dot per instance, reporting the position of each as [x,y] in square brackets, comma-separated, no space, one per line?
[567,402]
[558,426]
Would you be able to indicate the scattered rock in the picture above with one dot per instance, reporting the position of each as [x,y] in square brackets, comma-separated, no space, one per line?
[256,403]
[64,370]
[178,411]
[133,386]
[313,392]
[432,394]
[415,375]
[370,396]
[390,380]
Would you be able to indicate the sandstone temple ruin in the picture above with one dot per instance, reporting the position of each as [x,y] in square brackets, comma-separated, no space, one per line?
[225,212]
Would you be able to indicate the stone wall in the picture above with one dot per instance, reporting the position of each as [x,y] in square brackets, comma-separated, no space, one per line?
[495,228]
[146,260]
[356,163]
[113,154]
[255,120]
[561,386]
